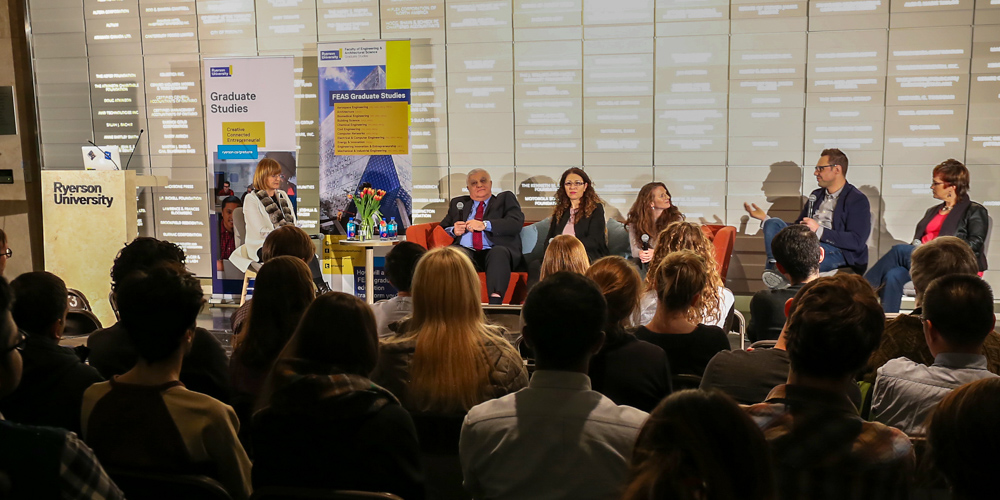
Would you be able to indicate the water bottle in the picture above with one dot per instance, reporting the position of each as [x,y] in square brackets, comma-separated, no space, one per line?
[352,229]
[393,228]
[383,232]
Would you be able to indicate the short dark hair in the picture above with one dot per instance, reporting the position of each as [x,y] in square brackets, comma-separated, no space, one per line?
[288,240]
[837,157]
[351,346]
[230,199]
[225,183]
[142,254]
[964,438]
[401,262]
[955,173]
[564,315]
[797,249]
[960,307]
[836,325]
[158,306]
[40,301]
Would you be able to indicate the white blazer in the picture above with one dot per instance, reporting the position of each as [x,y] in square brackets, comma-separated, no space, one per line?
[258,226]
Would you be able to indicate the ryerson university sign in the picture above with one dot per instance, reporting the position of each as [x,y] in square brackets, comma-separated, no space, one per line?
[80,194]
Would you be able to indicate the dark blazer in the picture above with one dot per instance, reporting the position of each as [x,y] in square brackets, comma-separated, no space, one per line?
[591,231]
[852,225]
[968,220]
[505,216]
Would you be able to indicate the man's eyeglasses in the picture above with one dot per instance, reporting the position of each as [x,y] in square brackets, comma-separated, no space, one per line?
[7,253]
[819,168]
[574,184]
[20,342]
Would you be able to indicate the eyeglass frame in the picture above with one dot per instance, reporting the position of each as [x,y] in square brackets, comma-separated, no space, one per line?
[19,345]
[574,184]
[819,168]
[7,253]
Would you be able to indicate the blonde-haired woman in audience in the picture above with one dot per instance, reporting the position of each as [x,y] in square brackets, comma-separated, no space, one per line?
[447,358]
[564,253]
[716,299]
[680,280]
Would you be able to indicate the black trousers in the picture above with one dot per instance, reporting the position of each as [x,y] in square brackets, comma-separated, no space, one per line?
[497,263]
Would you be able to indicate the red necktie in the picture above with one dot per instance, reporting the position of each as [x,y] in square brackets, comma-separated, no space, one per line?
[477,237]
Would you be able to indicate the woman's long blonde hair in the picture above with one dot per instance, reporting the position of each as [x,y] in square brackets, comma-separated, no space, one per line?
[450,372]
[266,167]
[690,236]
[564,253]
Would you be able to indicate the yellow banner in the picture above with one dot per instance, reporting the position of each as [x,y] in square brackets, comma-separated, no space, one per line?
[244,133]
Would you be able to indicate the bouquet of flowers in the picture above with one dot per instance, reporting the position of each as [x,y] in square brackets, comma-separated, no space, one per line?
[368,202]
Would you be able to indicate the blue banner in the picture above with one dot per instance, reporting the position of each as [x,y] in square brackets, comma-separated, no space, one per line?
[238,152]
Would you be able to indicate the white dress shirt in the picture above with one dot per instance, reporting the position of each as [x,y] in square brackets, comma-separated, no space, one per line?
[390,311]
[555,439]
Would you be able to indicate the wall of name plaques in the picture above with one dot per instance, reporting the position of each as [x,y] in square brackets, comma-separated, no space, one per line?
[724,100]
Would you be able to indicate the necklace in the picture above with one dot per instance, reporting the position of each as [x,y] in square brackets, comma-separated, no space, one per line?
[946,209]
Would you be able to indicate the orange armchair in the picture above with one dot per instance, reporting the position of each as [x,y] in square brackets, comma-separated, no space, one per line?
[724,239]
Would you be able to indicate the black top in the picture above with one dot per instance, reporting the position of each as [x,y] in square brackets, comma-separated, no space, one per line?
[631,372]
[505,217]
[205,368]
[31,459]
[968,220]
[689,353]
[747,376]
[591,231]
[767,313]
[52,385]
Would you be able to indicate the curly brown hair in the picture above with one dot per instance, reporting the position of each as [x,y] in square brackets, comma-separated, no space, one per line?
[690,236]
[640,216]
[588,203]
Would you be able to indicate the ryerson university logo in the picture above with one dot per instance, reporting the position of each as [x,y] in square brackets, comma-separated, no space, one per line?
[80,194]
[217,71]
[329,55]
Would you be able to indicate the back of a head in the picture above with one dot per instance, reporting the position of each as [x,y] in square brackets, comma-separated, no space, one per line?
[41,301]
[157,308]
[401,263]
[337,332]
[836,324]
[797,249]
[939,257]
[680,277]
[564,253]
[683,235]
[621,285]
[445,289]
[141,254]
[564,315]
[960,307]
[282,292]
[697,445]
[288,240]
[964,438]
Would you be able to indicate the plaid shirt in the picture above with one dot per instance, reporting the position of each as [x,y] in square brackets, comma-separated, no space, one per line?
[227,242]
[81,475]
[823,450]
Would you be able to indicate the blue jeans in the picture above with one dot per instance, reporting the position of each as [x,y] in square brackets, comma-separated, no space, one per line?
[891,272]
[833,256]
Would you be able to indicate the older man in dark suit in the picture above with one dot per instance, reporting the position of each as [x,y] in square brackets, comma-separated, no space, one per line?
[488,228]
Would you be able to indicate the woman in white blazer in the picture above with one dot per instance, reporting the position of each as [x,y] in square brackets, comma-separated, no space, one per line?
[264,209]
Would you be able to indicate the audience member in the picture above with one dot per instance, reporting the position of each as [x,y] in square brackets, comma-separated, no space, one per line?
[627,370]
[822,449]
[798,255]
[964,439]
[680,280]
[716,300]
[957,317]
[205,368]
[227,228]
[5,252]
[319,395]
[145,419]
[564,253]
[557,438]
[700,445]
[40,462]
[650,214]
[579,212]
[448,358]
[284,290]
[225,190]
[904,335]
[285,240]
[400,263]
[54,378]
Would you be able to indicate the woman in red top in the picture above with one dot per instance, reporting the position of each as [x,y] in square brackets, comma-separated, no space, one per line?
[957,215]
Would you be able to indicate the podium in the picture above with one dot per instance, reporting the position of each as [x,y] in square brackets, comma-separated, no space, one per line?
[87,217]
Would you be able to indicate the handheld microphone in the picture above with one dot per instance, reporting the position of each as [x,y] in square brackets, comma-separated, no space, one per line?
[645,242]
[812,208]
[133,149]
[107,156]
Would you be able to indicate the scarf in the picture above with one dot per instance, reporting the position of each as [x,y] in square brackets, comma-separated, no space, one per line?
[280,216]
[303,383]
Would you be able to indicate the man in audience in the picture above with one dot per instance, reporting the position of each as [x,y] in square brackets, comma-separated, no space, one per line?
[145,419]
[798,255]
[488,229]
[227,229]
[904,335]
[400,263]
[556,438]
[206,368]
[54,378]
[822,449]
[837,212]
[40,462]
[957,317]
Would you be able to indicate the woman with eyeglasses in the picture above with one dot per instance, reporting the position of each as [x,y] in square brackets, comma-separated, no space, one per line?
[579,212]
[265,209]
[956,215]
